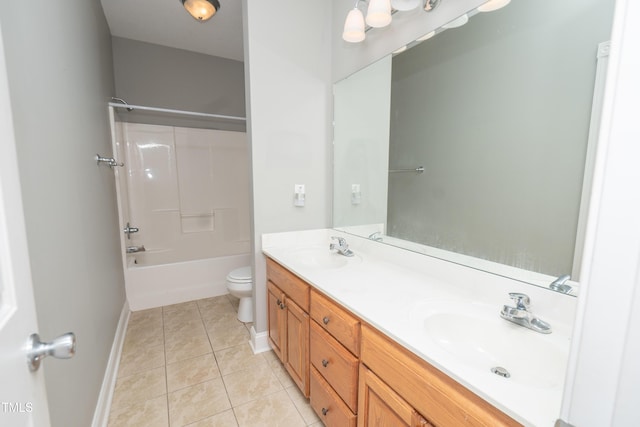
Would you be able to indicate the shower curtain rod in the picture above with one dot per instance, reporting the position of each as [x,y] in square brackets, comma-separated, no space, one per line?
[168,110]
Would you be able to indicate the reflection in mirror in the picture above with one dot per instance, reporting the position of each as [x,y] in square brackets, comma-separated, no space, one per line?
[502,113]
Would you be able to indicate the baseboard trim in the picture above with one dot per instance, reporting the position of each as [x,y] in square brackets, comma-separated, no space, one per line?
[101,414]
[259,341]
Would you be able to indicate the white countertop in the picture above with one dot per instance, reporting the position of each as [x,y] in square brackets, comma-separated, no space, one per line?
[393,289]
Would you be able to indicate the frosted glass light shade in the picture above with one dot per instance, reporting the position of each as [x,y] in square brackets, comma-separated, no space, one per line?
[458,22]
[404,5]
[426,36]
[379,13]
[201,10]
[354,27]
[492,5]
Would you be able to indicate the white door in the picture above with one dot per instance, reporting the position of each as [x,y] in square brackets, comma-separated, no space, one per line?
[23,400]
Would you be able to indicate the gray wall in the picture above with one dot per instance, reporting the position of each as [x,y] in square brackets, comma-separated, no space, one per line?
[60,76]
[289,80]
[159,76]
[498,112]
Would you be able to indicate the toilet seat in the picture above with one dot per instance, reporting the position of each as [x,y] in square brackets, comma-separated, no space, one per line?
[240,275]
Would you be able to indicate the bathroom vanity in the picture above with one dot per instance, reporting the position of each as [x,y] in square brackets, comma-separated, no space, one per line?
[368,338]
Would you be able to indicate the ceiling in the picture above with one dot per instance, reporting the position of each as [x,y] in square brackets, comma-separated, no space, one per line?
[167,23]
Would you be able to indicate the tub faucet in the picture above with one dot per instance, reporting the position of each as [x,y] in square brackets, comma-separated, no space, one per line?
[520,314]
[341,246]
[560,284]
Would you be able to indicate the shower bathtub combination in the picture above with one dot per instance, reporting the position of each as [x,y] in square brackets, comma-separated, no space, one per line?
[182,183]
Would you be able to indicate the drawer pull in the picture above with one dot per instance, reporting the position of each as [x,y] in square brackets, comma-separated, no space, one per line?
[325,320]
[325,362]
[324,411]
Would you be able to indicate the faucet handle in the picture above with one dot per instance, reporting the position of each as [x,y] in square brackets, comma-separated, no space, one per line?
[522,300]
[341,240]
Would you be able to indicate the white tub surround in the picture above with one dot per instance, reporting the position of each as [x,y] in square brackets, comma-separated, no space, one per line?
[158,285]
[396,290]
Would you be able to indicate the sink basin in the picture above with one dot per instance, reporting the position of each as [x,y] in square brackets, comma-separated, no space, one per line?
[321,257]
[475,335]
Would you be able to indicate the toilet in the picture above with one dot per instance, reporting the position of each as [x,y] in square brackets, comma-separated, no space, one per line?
[240,285]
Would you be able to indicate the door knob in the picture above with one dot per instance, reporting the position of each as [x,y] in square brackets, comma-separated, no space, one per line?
[63,347]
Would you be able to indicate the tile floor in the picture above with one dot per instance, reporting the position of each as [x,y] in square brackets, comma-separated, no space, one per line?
[191,365]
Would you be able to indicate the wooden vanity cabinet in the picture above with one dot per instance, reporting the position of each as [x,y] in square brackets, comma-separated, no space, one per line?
[288,322]
[353,373]
[434,395]
[334,348]
[379,405]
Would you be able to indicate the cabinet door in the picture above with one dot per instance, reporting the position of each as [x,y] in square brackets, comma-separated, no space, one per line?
[277,321]
[297,346]
[379,405]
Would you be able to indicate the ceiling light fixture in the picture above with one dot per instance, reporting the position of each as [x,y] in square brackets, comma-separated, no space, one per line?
[201,10]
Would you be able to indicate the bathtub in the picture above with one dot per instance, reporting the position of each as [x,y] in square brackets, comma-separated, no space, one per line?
[158,284]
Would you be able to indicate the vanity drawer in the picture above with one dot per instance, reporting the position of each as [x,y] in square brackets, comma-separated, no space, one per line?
[433,394]
[328,405]
[336,365]
[342,325]
[295,288]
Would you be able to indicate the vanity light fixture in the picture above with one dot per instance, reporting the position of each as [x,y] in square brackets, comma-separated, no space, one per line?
[201,10]
[492,5]
[378,15]
[426,36]
[458,22]
[404,5]
[354,26]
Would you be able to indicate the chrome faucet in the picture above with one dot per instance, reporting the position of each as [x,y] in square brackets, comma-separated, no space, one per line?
[377,236]
[560,284]
[341,246]
[520,314]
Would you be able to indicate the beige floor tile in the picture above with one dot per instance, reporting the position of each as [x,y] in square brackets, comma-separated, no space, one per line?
[136,360]
[228,337]
[135,339]
[139,387]
[150,413]
[223,419]
[302,405]
[222,321]
[281,373]
[182,348]
[276,409]
[190,327]
[175,319]
[145,315]
[191,371]
[238,358]
[250,384]
[180,308]
[197,402]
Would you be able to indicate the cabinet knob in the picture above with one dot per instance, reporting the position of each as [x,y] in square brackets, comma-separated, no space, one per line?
[278,302]
[282,306]
[325,320]
[325,362]
[324,411]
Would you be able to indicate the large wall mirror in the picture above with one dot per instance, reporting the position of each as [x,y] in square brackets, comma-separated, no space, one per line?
[476,145]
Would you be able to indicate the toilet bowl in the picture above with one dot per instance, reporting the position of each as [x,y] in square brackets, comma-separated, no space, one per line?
[240,285]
